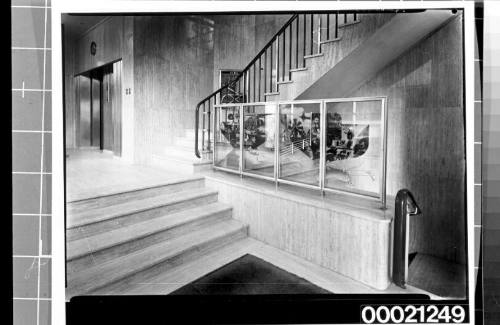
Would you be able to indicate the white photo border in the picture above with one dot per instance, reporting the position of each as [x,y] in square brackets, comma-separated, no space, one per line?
[116,6]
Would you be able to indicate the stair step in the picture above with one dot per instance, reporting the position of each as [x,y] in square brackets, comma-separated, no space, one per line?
[313,55]
[298,69]
[98,249]
[90,216]
[182,165]
[134,193]
[349,23]
[182,154]
[185,160]
[331,40]
[157,257]
[184,142]
[180,275]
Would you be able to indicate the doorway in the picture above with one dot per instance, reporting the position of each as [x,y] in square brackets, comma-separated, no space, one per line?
[98,94]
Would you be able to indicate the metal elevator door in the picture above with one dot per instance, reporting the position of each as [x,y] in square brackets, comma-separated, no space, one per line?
[89,112]
[95,140]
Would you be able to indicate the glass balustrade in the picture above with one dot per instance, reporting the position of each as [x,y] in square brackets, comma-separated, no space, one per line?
[227,146]
[330,144]
[299,142]
[259,143]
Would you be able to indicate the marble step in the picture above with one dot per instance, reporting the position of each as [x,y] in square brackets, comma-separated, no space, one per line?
[155,258]
[98,220]
[124,194]
[90,251]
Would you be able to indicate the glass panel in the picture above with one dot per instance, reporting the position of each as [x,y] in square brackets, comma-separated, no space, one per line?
[353,157]
[299,141]
[227,152]
[258,139]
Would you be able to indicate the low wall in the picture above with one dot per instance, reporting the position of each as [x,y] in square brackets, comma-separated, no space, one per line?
[347,239]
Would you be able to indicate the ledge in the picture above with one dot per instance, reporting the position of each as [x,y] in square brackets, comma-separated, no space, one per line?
[355,206]
[284,82]
[272,94]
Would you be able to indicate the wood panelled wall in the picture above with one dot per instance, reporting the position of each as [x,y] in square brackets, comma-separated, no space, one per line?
[70,111]
[173,66]
[238,38]
[335,235]
[424,88]
[108,35]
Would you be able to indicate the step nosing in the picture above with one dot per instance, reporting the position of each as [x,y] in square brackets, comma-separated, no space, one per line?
[131,211]
[138,189]
[145,234]
[151,262]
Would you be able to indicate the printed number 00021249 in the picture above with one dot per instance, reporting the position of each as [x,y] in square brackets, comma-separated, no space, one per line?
[395,314]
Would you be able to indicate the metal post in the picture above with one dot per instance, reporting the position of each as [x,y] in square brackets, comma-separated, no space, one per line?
[265,71]
[327,27]
[297,43]
[405,207]
[208,124]
[322,145]
[319,33]
[304,39]
[336,25]
[276,142]
[240,108]
[384,154]
[277,61]
[203,130]
[290,52]
[312,33]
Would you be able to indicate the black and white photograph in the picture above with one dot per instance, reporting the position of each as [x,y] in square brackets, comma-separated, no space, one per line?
[266,153]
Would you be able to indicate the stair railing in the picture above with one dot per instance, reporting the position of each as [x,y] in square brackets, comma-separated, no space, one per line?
[405,207]
[300,37]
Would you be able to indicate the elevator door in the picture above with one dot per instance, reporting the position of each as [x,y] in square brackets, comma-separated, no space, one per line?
[98,94]
[89,120]
[84,111]
[111,108]
[96,113]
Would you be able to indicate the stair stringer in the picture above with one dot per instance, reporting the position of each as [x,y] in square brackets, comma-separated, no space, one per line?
[383,47]
[349,38]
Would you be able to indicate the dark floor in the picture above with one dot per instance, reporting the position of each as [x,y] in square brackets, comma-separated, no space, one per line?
[249,275]
[437,276]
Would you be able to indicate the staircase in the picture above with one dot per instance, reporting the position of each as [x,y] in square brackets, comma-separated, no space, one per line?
[320,56]
[179,156]
[132,235]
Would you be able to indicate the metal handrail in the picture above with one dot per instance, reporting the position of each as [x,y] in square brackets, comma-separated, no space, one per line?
[237,79]
[405,207]
[249,86]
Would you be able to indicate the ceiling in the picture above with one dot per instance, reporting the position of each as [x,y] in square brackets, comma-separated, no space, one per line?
[76,25]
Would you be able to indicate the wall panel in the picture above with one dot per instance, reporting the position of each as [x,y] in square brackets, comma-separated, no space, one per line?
[424,88]
[343,238]
[173,65]
[238,39]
